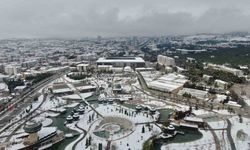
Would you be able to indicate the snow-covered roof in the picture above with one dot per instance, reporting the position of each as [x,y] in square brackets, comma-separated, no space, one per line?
[3,76]
[86,87]
[232,103]
[20,87]
[120,59]
[63,90]
[45,131]
[188,125]
[193,119]
[82,65]
[168,82]
[194,92]
[164,86]
[3,87]
[220,81]
[77,97]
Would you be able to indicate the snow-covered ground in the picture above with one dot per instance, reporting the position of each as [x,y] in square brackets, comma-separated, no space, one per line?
[132,139]
[241,133]
[77,97]
[221,134]
[52,103]
[246,99]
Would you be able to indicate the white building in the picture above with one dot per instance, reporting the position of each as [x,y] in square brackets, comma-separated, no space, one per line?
[29,64]
[186,51]
[133,62]
[234,71]
[2,77]
[104,68]
[166,61]
[11,70]
[82,67]
[168,83]
[3,88]
[87,57]
[206,77]
[195,93]
[221,84]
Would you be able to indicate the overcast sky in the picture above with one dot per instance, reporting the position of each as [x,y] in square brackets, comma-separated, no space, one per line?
[82,18]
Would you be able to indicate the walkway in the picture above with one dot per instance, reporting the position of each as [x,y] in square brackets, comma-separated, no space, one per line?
[229,136]
[76,91]
[85,134]
[78,141]
[216,139]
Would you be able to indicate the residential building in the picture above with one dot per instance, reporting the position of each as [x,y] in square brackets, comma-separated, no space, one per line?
[166,61]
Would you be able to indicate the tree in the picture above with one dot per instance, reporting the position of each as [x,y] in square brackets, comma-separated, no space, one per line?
[143,129]
[36,98]
[148,145]
[234,95]
[210,81]
[196,107]
[90,139]
[166,123]
[188,95]
[89,118]
[211,107]
[100,146]
[240,119]
[12,84]
[87,143]
[190,109]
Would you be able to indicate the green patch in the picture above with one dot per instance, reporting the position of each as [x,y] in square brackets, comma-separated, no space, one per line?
[164,114]
[102,134]
[241,135]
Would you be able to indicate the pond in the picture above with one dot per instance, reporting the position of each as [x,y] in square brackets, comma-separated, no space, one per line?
[102,134]
[164,114]
[59,123]
[189,136]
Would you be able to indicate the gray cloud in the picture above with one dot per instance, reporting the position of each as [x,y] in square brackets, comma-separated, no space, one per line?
[81,18]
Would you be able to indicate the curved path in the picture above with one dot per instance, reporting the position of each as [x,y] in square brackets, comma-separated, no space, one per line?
[85,134]
[216,139]
[78,141]
[229,136]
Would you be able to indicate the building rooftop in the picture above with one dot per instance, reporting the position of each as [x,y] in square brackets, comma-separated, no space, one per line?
[120,59]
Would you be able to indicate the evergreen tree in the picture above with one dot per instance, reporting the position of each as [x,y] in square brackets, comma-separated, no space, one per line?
[196,107]
[89,118]
[100,146]
[143,129]
[90,139]
[87,143]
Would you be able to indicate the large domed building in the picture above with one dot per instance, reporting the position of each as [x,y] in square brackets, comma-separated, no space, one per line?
[32,127]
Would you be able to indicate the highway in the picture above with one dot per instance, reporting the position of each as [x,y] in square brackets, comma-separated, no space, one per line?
[24,100]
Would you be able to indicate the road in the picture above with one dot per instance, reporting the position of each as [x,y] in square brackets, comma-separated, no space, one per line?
[23,101]
[26,118]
